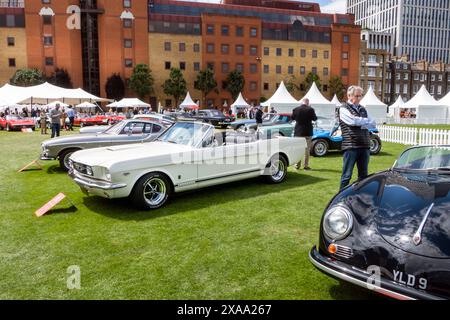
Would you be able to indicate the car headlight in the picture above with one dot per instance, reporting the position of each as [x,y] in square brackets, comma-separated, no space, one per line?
[338,222]
[107,175]
[89,171]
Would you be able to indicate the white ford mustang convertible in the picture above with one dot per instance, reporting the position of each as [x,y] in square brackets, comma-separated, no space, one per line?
[188,155]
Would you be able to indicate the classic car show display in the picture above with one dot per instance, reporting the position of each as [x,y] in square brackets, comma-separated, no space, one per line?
[278,119]
[187,156]
[124,132]
[240,124]
[12,122]
[99,119]
[390,232]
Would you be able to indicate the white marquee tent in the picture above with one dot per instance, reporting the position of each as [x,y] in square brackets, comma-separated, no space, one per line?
[322,106]
[239,103]
[53,104]
[282,100]
[394,110]
[428,110]
[129,103]
[446,102]
[336,101]
[86,105]
[45,93]
[188,103]
[375,108]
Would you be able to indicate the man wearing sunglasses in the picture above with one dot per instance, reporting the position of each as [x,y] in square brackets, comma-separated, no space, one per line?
[355,122]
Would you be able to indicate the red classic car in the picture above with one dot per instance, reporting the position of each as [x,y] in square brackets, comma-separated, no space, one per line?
[97,120]
[12,122]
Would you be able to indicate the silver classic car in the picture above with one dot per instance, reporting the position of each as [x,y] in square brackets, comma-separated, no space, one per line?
[124,132]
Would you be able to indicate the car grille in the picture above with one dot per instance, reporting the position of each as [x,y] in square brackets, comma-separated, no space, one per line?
[79,167]
[344,252]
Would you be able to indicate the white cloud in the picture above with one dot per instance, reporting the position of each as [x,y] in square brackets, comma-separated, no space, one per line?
[336,6]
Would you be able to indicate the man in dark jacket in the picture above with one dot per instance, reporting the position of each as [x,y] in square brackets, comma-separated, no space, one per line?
[355,122]
[304,116]
[258,117]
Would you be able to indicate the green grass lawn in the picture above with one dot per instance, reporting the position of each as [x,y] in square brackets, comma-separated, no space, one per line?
[244,240]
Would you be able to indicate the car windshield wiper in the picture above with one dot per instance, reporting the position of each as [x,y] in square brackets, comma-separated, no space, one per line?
[445,169]
[171,141]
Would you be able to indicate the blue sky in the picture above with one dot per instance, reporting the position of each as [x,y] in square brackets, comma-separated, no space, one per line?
[331,6]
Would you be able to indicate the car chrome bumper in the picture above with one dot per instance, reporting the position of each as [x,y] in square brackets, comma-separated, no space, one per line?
[87,183]
[346,272]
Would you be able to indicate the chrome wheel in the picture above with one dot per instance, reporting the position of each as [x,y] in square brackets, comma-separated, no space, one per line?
[154,191]
[374,145]
[320,148]
[277,169]
[66,159]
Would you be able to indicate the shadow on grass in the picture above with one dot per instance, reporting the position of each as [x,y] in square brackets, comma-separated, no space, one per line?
[70,209]
[339,154]
[56,169]
[122,209]
[348,291]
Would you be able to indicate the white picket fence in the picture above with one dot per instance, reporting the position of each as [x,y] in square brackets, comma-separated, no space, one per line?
[414,136]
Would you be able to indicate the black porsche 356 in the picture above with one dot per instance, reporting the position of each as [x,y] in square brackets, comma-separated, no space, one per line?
[390,232]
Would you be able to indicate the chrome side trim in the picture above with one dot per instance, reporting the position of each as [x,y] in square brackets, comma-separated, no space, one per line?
[357,282]
[96,184]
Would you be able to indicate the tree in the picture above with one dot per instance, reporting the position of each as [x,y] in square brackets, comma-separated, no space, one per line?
[175,86]
[310,78]
[337,87]
[27,78]
[141,81]
[235,83]
[61,78]
[115,87]
[291,84]
[205,82]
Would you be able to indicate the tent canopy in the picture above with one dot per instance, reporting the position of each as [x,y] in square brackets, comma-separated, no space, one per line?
[86,105]
[321,105]
[371,99]
[394,109]
[45,93]
[54,103]
[240,102]
[129,103]
[445,100]
[336,101]
[282,100]
[422,98]
[428,110]
[376,109]
[188,103]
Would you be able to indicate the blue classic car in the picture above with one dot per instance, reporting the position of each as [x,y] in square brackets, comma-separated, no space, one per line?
[240,124]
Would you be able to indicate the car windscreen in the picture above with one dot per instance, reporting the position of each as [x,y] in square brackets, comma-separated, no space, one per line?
[269,116]
[115,129]
[185,133]
[425,158]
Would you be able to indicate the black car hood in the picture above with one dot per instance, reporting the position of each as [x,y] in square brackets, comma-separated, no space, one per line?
[404,201]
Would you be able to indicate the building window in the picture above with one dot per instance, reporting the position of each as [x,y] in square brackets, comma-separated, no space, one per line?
[11,41]
[326,54]
[225,67]
[279,52]
[128,43]
[127,23]
[182,65]
[210,65]
[225,48]
[290,70]
[210,48]
[266,68]
[225,30]
[240,67]
[302,70]
[127,3]
[291,52]
[239,31]
[48,41]
[266,51]
[181,47]
[128,63]
[167,46]
[346,38]
[210,29]
[325,71]
[46,1]
[47,19]
[253,68]
[253,50]
[12,62]
[167,65]
[344,72]
[440,77]
[253,85]
[278,69]
[325,88]
[49,61]
[433,77]
[253,32]
[196,66]
[239,49]
[196,47]
[303,53]
[345,55]
[314,53]
[406,76]
[314,70]
[266,86]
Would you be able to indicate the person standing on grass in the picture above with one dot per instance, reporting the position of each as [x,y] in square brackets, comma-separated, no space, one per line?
[71,115]
[304,116]
[355,122]
[55,116]
[43,122]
